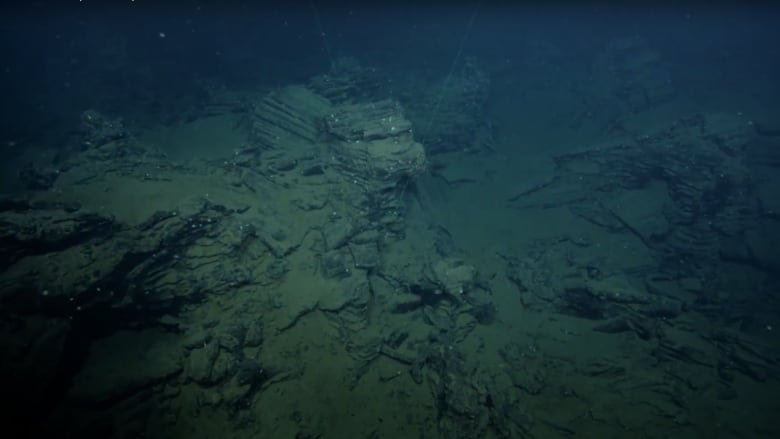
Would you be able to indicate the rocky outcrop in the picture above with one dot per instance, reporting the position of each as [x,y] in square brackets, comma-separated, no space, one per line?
[376,152]
[288,116]
[700,160]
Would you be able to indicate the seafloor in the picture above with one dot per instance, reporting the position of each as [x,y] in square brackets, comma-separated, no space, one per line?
[477,254]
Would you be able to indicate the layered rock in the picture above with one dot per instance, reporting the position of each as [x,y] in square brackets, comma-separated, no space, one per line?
[376,152]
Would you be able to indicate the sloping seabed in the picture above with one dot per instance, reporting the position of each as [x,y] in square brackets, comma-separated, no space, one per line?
[329,272]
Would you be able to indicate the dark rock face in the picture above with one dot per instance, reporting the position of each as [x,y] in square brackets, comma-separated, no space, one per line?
[35,230]
[35,179]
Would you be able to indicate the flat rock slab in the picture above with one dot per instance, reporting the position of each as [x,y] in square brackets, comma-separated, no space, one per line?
[365,255]
[455,276]
[337,232]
